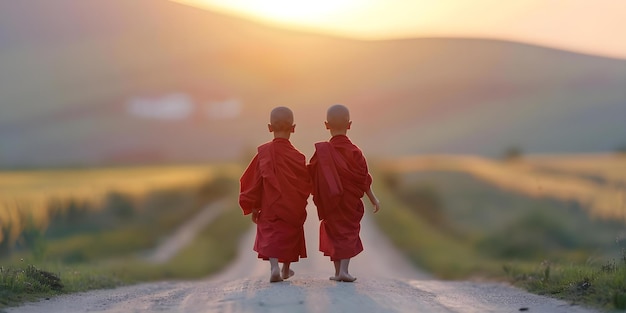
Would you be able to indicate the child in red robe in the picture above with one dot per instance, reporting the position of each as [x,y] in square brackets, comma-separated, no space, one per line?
[340,178]
[274,189]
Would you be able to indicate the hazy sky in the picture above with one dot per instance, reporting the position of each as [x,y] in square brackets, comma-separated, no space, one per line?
[597,27]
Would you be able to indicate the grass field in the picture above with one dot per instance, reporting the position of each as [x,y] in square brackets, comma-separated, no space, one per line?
[29,200]
[209,252]
[609,169]
[596,182]
[108,218]
[555,228]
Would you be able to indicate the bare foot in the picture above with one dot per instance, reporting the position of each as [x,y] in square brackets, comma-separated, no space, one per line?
[275,276]
[345,278]
[335,278]
[291,273]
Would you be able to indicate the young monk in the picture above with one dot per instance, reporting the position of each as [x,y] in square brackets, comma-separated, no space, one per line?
[340,178]
[274,189]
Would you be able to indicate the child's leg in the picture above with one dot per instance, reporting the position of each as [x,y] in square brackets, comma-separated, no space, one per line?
[343,271]
[336,263]
[274,271]
[286,272]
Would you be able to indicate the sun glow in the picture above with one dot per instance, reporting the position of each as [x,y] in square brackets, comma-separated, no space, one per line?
[282,11]
[564,24]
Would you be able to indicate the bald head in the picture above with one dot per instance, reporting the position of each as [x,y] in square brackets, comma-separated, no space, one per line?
[281,119]
[338,117]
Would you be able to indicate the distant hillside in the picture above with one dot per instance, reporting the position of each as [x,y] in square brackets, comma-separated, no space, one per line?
[114,81]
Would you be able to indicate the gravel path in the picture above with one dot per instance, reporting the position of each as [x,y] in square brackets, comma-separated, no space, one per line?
[386,283]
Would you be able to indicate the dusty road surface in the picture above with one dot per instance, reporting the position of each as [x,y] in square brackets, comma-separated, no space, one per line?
[385,283]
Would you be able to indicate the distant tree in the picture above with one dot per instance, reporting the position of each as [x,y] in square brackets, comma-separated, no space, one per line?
[621,150]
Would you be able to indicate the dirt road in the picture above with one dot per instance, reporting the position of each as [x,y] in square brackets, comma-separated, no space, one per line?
[386,283]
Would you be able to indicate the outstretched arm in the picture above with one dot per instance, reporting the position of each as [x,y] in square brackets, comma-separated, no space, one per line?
[370,194]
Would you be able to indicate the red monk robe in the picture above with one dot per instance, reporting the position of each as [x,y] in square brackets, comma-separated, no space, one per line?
[340,178]
[277,183]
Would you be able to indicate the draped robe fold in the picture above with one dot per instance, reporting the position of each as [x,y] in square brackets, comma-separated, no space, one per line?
[277,183]
[340,178]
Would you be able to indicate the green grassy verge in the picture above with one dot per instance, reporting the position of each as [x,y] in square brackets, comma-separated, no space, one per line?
[599,286]
[84,250]
[426,246]
[448,230]
[19,284]
[210,251]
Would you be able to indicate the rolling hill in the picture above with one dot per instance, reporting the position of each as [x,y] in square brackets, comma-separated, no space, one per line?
[150,81]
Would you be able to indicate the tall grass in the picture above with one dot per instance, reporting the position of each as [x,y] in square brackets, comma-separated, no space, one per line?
[102,247]
[207,254]
[596,184]
[429,246]
[458,227]
[30,201]
[27,283]
[600,285]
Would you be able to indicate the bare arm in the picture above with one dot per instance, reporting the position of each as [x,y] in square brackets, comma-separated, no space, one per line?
[370,194]
[255,215]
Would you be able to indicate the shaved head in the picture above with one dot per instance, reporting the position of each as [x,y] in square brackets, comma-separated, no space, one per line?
[338,117]
[281,119]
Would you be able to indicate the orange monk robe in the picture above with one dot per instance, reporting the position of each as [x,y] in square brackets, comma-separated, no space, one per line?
[340,178]
[277,183]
